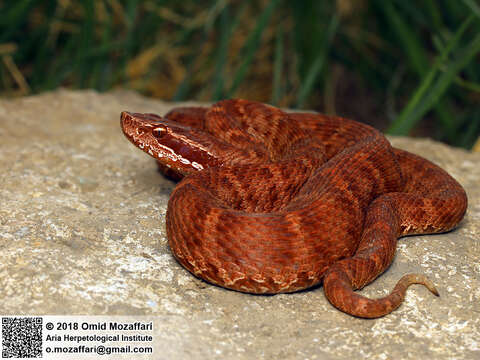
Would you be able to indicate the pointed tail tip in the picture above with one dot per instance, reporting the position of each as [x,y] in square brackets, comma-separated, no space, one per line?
[410,279]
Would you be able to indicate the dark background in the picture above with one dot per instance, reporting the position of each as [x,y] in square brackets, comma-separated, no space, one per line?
[406,67]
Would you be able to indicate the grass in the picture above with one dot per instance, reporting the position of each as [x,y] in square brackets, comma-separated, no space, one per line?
[409,68]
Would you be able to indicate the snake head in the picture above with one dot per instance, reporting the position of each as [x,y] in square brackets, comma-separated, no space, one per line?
[179,147]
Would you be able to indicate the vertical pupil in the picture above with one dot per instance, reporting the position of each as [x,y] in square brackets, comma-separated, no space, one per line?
[159,131]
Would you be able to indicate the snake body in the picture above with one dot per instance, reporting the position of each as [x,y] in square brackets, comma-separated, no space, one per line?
[276,202]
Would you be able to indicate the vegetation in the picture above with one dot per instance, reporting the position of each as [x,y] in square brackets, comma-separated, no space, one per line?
[407,67]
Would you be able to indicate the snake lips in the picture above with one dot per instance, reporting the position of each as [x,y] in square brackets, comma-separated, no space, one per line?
[276,202]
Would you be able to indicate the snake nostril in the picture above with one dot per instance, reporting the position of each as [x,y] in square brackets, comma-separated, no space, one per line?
[125,116]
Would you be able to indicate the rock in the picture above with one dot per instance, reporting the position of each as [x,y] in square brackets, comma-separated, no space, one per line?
[82,232]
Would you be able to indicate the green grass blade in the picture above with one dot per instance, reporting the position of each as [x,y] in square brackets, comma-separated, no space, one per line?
[13,19]
[470,135]
[252,44]
[227,27]
[277,90]
[471,86]
[446,79]
[99,79]
[314,70]
[417,55]
[86,39]
[473,6]
[410,40]
[434,13]
[426,96]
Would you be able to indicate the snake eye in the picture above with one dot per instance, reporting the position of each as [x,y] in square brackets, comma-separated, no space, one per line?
[159,131]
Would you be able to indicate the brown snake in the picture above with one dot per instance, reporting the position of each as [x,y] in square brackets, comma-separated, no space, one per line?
[275,202]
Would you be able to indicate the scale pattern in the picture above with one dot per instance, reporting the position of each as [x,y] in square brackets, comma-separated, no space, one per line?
[284,201]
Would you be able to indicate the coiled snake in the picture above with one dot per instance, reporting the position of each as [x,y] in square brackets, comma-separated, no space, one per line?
[275,202]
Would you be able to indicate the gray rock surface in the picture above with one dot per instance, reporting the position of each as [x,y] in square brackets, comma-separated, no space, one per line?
[82,232]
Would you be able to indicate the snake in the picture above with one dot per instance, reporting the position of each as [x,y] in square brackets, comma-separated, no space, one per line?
[270,201]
